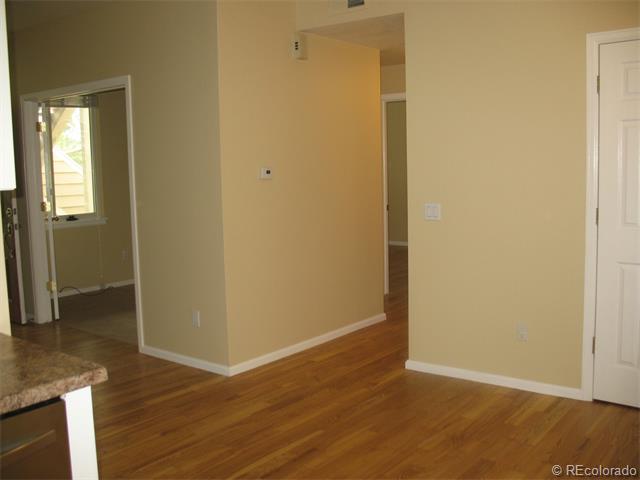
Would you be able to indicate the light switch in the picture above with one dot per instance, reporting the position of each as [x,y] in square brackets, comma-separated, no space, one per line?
[432,211]
[266,173]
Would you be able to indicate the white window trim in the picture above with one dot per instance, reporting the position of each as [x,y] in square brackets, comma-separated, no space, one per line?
[87,221]
[96,155]
[97,217]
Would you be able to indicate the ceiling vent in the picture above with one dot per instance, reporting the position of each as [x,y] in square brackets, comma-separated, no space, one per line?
[339,7]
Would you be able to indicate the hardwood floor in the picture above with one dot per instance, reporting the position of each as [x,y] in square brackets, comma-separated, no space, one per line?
[110,313]
[345,409]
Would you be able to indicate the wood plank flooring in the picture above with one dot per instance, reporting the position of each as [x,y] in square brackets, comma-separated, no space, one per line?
[110,313]
[345,409]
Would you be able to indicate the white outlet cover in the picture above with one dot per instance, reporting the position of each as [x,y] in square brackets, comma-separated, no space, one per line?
[522,332]
[266,173]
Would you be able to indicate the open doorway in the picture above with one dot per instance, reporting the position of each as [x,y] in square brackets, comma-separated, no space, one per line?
[80,203]
[394,145]
[387,35]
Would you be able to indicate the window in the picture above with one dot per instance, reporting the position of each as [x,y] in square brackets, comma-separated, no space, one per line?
[72,163]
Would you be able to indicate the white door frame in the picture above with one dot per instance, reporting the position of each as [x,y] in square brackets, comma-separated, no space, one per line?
[36,237]
[594,40]
[386,98]
[16,239]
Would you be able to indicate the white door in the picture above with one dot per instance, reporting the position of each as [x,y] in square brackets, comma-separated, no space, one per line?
[617,347]
[49,217]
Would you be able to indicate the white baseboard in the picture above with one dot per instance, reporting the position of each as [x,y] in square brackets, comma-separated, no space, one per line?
[185,360]
[492,379]
[397,243]
[69,292]
[264,359]
[304,345]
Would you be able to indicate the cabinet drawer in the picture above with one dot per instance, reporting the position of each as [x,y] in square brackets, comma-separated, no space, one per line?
[34,443]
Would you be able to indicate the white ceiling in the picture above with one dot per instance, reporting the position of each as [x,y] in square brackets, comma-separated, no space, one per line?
[384,33]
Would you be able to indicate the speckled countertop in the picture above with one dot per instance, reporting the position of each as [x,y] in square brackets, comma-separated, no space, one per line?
[30,374]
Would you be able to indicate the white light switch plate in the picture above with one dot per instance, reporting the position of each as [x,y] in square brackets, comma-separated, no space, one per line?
[432,211]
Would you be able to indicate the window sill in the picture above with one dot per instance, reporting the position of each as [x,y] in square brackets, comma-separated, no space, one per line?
[82,222]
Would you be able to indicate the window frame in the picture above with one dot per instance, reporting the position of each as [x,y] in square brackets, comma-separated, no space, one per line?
[97,217]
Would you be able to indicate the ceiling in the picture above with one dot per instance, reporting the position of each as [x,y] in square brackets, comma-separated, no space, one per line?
[384,33]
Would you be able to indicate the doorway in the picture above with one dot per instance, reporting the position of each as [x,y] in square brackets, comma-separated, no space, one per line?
[386,34]
[394,165]
[611,365]
[80,200]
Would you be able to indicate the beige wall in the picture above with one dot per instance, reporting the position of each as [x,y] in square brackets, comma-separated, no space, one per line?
[169,49]
[301,252]
[392,79]
[289,276]
[6,144]
[98,255]
[5,324]
[397,170]
[496,133]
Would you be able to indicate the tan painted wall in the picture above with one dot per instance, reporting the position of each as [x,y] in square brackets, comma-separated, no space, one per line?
[98,255]
[302,253]
[5,324]
[6,144]
[392,79]
[169,49]
[397,170]
[496,133]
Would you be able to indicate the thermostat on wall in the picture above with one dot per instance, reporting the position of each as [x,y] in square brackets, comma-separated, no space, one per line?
[298,47]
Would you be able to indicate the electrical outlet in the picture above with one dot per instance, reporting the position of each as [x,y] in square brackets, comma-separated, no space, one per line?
[125,255]
[522,332]
[266,173]
[298,47]
[195,318]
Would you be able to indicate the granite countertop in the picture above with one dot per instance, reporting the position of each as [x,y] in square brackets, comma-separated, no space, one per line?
[30,374]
